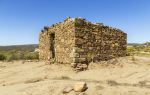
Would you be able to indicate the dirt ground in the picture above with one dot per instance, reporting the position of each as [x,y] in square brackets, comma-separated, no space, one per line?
[124,76]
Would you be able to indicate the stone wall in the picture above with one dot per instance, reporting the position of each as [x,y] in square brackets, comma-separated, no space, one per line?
[78,41]
[63,42]
[44,44]
[96,42]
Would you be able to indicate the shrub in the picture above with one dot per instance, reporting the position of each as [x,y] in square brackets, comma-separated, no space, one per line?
[32,56]
[2,57]
[131,50]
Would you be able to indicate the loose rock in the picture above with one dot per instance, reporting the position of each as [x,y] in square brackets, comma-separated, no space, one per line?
[81,67]
[67,89]
[73,65]
[80,87]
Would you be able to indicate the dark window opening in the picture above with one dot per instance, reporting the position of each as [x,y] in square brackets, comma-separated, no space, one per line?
[52,47]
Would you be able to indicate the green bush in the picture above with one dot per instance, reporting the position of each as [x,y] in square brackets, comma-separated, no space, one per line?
[32,56]
[2,57]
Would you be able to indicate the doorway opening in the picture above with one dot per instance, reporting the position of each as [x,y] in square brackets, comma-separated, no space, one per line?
[52,46]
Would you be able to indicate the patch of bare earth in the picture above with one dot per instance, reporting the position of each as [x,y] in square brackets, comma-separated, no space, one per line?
[123,76]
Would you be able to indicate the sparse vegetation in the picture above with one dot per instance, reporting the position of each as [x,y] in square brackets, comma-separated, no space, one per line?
[21,52]
[139,49]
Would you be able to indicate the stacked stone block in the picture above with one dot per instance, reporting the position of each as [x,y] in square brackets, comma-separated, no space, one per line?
[63,42]
[79,41]
[96,42]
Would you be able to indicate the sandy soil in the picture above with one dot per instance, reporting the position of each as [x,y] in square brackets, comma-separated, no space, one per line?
[125,76]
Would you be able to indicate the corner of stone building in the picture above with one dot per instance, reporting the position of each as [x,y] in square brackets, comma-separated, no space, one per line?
[79,23]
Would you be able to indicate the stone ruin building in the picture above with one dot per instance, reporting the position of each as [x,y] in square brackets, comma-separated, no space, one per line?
[76,40]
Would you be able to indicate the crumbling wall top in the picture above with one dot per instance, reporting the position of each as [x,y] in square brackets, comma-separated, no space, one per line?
[78,21]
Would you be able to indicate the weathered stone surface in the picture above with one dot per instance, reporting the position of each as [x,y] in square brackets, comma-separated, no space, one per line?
[73,65]
[78,41]
[67,89]
[60,46]
[80,87]
[81,67]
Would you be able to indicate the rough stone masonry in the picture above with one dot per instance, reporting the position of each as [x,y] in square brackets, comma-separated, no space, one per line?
[76,40]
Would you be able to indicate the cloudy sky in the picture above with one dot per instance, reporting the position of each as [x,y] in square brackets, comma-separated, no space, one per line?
[22,20]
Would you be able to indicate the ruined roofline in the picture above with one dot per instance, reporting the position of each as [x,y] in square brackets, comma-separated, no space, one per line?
[83,19]
[68,18]
[98,24]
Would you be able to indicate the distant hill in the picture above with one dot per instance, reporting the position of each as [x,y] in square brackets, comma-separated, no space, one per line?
[29,47]
[139,44]
[131,44]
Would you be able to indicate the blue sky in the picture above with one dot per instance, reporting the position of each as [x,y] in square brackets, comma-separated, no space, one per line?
[22,20]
